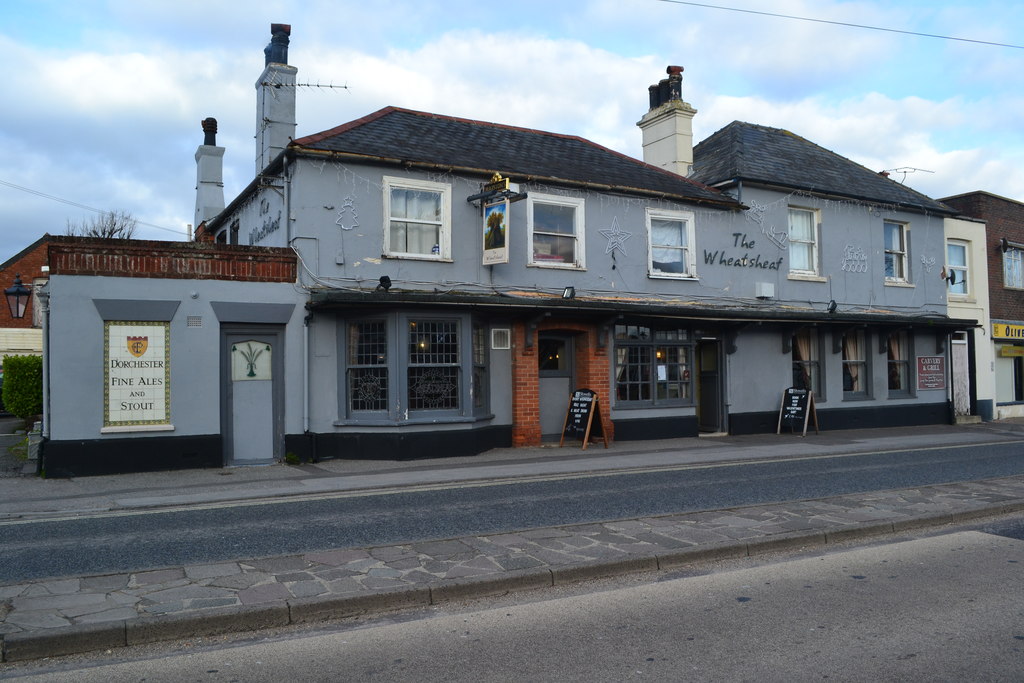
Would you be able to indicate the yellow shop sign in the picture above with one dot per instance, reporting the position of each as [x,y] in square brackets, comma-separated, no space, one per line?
[1005,331]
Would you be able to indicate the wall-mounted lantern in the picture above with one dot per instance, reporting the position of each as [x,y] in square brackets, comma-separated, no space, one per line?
[17,297]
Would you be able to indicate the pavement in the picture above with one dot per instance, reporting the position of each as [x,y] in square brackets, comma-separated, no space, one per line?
[73,614]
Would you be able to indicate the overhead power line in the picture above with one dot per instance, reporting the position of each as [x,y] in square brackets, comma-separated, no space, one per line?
[82,206]
[842,23]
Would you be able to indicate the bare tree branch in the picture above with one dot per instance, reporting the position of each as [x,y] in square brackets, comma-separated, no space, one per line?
[112,224]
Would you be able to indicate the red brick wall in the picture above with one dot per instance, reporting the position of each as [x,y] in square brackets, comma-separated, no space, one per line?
[29,264]
[1003,218]
[184,260]
[593,371]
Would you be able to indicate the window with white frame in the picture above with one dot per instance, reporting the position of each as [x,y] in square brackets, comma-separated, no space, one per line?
[670,239]
[956,267]
[555,231]
[803,241]
[895,252]
[417,219]
[1013,268]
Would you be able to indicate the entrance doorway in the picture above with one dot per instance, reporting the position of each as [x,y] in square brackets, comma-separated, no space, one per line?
[710,406]
[556,370]
[252,406]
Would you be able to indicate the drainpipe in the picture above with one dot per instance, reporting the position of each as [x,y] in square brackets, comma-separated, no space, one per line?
[287,200]
[44,300]
[305,373]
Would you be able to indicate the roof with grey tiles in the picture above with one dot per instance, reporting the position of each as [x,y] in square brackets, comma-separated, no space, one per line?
[402,135]
[758,154]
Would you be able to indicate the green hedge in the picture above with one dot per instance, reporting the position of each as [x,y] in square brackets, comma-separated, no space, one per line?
[23,385]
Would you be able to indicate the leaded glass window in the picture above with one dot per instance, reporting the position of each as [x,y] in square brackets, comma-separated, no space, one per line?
[368,365]
[434,372]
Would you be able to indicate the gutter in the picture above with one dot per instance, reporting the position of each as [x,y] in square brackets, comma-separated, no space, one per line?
[333,299]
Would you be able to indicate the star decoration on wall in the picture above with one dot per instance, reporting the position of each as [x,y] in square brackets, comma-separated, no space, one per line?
[616,237]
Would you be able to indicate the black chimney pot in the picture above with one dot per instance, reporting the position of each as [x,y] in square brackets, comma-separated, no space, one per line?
[277,51]
[210,131]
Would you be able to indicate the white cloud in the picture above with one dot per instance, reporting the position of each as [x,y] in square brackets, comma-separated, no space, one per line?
[109,116]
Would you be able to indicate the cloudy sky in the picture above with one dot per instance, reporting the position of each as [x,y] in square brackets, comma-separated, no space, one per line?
[103,99]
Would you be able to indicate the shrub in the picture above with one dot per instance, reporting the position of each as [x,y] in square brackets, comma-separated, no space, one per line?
[23,385]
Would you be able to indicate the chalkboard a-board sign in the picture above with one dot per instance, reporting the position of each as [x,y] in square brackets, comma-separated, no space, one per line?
[796,409]
[583,418]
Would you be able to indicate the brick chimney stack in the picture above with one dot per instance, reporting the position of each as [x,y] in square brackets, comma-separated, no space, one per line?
[667,127]
[209,174]
[275,99]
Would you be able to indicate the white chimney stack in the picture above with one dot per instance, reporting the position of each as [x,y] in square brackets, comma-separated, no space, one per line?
[209,174]
[275,99]
[668,126]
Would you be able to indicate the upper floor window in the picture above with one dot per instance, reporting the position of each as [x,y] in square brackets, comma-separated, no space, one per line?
[1013,268]
[555,230]
[956,266]
[418,223]
[895,252]
[803,241]
[670,243]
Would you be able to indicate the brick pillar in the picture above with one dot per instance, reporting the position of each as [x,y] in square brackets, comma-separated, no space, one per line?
[525,389]
[593,371]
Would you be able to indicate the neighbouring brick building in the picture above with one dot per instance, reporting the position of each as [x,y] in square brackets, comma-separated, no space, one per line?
[1004,247]
[24,335]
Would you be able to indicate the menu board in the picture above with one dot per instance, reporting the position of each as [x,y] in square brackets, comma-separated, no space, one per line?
[583,418]
[796,409]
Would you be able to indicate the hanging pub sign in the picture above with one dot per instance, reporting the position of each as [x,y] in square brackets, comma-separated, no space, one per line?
[496,231]
[796,410]
[583,418]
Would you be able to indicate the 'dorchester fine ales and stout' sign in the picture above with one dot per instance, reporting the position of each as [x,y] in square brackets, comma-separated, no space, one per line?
[136,376]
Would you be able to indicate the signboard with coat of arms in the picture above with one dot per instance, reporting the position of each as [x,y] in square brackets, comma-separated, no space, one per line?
[136,376]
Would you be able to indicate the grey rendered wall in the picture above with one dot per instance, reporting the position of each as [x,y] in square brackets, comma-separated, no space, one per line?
[337,226]
[76,350]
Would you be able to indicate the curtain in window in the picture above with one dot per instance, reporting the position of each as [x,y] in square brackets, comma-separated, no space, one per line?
[802,346]
[896,362]
[851,361]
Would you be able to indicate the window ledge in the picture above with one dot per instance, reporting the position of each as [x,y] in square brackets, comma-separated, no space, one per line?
[670,276]
[961,299]
[377,422]
[806,277]
[622,405]
[560,266]
[855,398]
[417,257]
[898,283]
